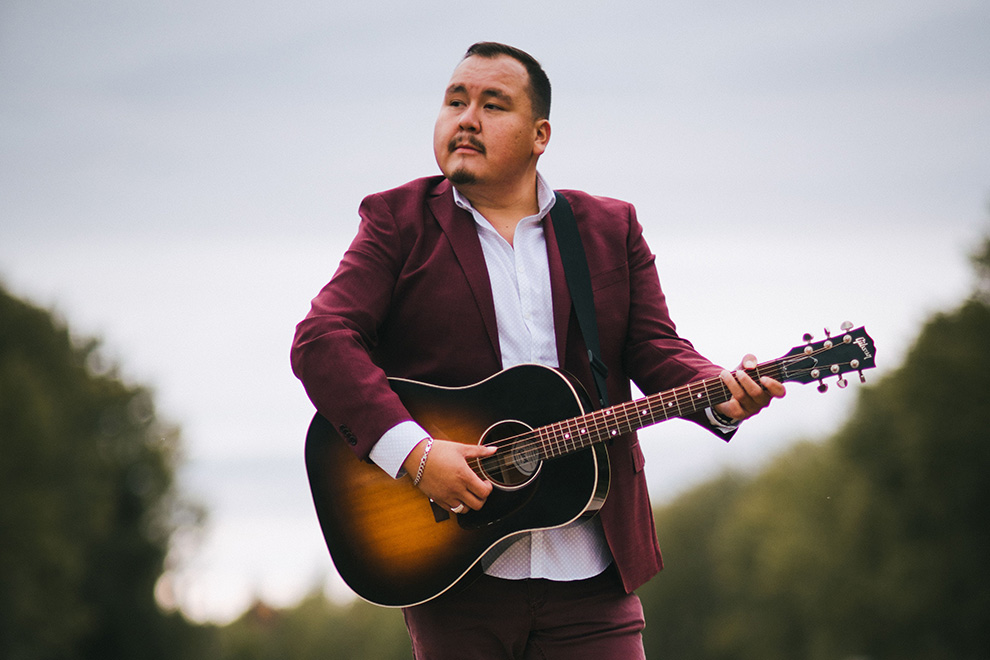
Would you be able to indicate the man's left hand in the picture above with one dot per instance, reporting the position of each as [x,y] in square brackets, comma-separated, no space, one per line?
[748,396]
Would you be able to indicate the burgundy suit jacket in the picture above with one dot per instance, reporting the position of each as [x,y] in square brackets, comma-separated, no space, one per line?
[411,298]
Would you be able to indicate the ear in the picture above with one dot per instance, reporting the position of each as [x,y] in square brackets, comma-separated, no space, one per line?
[541,137]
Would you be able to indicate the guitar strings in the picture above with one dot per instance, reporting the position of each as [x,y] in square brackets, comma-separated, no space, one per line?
[603,421]
[599,425]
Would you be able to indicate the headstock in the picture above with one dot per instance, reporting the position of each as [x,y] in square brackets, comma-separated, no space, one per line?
[852,350]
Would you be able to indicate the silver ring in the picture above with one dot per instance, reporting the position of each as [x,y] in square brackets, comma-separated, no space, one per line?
[459,508]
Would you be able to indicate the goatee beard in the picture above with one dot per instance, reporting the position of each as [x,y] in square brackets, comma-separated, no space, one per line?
[461,177]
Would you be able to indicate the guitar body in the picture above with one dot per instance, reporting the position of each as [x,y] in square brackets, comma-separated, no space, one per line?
[392,545]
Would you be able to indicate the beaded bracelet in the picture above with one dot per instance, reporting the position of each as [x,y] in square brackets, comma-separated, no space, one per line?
[722,419]
[422,461]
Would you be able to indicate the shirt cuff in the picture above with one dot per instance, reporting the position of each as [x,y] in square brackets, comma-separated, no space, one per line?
[724,428]
[392,448]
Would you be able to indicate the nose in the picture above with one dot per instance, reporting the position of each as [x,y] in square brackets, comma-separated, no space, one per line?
[468,120]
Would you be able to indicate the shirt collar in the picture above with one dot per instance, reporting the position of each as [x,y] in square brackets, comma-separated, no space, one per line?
[544,197]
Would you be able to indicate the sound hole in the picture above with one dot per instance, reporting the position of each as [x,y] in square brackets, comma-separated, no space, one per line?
[516,463]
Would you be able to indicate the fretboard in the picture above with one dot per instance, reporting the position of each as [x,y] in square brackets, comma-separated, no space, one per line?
[578,433]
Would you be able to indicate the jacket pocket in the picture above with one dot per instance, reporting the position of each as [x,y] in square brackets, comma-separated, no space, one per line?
[638,459]
[609,277]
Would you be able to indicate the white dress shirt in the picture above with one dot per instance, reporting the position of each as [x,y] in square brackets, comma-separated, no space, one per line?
[520,279]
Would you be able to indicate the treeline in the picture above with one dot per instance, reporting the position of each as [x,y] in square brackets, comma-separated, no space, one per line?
[870,544]
[873,544]
[87,501]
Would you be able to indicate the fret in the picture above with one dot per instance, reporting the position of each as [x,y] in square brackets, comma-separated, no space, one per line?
[567,433]
[627,417]
[579,429]
[558,434]
[567,428]
[657,405]
[668,405]
[681,395]
[698,398]
[708,394]
[647,412]
[581,437]
[631,417]
[608,417]
[546,448]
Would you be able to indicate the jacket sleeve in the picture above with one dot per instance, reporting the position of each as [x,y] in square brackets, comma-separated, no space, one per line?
[332,351]
[656,356]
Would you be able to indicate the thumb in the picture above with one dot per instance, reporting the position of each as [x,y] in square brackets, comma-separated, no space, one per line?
[748,362]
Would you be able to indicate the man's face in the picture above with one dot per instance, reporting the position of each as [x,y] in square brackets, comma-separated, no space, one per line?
[485,134]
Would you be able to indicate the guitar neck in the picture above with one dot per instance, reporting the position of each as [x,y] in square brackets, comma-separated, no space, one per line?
[578,433]
[853,351]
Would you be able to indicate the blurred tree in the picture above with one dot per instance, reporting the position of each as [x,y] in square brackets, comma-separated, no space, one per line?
[316,629]
[920,440]
[872,544]
[87,501]
[780,560]
[981,264]
[682,603]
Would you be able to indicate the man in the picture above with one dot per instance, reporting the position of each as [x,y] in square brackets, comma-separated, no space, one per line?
[451,279]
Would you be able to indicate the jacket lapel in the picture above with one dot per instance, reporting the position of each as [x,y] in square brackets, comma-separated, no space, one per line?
[459,227]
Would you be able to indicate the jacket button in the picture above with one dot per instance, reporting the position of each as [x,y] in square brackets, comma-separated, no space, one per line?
[346,432]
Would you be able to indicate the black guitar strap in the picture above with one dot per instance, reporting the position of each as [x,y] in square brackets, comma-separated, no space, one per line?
[579,284]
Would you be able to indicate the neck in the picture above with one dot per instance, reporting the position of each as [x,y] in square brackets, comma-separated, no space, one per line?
[504,209]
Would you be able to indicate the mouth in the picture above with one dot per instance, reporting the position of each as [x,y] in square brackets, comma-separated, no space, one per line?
[467,144]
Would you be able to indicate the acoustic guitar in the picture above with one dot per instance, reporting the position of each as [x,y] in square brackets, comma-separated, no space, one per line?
[394,547]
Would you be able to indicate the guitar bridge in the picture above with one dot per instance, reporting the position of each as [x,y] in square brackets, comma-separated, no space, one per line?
[439,513]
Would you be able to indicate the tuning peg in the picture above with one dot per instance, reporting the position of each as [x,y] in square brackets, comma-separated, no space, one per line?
[807,337]
[822,386]
[862,378]
[828,333]
[846,326]
[842,382]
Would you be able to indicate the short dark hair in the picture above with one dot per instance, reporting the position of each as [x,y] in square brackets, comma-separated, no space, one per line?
[539,83]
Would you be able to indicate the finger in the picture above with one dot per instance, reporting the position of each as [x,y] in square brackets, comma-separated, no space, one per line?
[748,396]
[749,386]
[733,408]
[471,497]
[776,389]
[476,494]
[472,502]
[480,489]
[732,382]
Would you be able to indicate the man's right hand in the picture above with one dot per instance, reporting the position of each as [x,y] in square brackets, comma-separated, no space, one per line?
[447,477]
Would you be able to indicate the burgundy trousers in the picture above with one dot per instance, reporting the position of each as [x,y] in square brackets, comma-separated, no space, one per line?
[593,619]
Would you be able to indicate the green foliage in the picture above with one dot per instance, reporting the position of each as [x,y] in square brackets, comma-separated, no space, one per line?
[687,594]
[317,629]
[87,503]
[920,439]
[871,544]
[981,264]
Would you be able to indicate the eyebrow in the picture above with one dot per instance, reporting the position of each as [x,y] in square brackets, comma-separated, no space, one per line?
[490,93]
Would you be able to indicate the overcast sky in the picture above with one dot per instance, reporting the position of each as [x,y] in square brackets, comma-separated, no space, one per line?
[180,178]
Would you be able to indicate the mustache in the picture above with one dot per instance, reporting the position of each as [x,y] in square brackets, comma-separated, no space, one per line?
[470,140]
